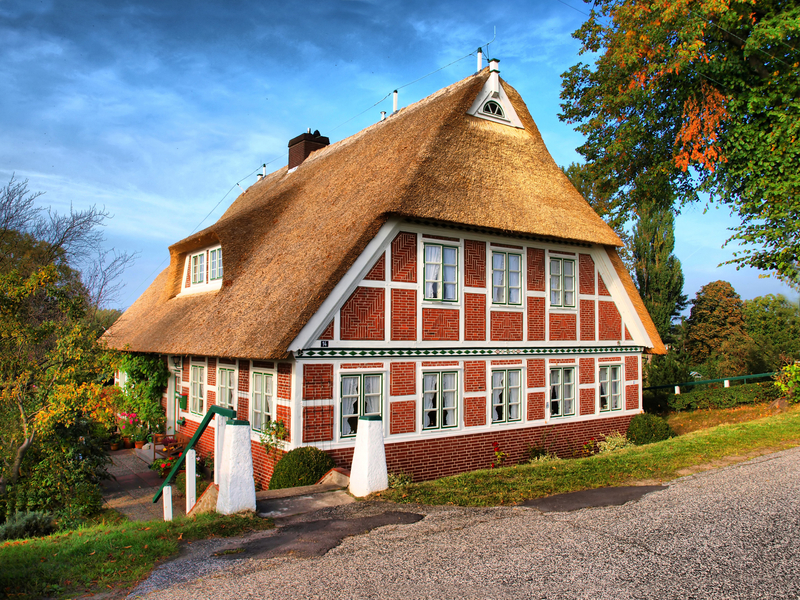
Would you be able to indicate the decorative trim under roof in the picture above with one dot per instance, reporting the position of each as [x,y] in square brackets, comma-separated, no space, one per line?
[424,352]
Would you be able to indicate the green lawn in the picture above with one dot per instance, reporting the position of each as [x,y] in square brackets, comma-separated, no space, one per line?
[660,461]
[103,557]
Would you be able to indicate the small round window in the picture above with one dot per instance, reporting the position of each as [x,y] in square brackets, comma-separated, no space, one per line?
[493,108]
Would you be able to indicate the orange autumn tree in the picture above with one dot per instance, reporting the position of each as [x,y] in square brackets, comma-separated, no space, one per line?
[693,97]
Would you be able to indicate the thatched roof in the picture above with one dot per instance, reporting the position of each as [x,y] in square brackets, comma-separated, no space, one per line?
[291,237]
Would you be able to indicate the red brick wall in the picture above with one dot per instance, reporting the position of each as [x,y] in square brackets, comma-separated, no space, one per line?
[536,270]
[475,317]
[404,257]
[328,333]
[631,368]
[285,381]
[263,464]
[263,364]
[211,399]
[244,375]
[474,411]
[563,327]
[378,270]
[536,373]
[586,370]
[601,286]
[628,335]
[363,315]
[317,382]
[284,413]
[474,264]
[587,320]
[212,372]
[474,376]
[402,416]
[609,320]
[189,273]
[586,274]
[439,457]
[317,424]
[404,315]
[536,402]
[506,326]
[587,401]
[367,365]
[439,324]
[535,319]
[402,379]
[205,445]
[632,396]
[185,371]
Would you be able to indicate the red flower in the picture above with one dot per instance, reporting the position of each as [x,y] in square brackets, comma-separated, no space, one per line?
[493,465]
[163,465]
[494,444]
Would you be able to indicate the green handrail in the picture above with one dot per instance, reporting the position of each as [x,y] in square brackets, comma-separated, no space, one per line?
[225,412]
[745,377]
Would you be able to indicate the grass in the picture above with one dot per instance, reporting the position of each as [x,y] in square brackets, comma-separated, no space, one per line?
[660,461]
[694,420]
[105,556]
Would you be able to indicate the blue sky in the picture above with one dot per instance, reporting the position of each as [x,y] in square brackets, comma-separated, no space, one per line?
[156,109]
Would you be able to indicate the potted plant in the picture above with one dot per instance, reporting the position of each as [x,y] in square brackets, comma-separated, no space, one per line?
[113,443]
[127,426]
[140,437]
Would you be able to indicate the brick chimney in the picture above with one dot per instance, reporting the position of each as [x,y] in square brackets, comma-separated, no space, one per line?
[303,145]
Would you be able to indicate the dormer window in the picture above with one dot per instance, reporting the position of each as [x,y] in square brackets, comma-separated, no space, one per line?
[216,264]
[493,108]
[199,268]
[202,271]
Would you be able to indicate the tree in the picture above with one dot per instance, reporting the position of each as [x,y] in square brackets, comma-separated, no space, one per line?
[704,96]
[659,278]
[773,322]
[717,315]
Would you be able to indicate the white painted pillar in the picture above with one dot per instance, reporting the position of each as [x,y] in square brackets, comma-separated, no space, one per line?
[166,496]
[237,492]
[727,383]
[677,390]
[219,437]
[191,479]
[368,472]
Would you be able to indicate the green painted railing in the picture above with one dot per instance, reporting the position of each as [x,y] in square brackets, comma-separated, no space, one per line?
[218,410]
[745,377]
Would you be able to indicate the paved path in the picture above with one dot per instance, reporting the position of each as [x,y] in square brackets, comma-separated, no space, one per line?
[730,533]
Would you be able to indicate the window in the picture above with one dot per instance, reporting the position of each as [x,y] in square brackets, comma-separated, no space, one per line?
[216,264]
[362,395]
[610,388]
[441,272]
[562,282]
[226,388]
[506,278]
[493,108]
[506,396]
[261,400]
[439,400]
[199,268]
[196,401]
[562,392]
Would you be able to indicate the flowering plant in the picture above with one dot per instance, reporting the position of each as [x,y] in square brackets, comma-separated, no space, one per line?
[499,456]
[163,466]
[127,422]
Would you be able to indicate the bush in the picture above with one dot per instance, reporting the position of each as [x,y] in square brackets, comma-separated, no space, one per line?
[301,466]
[27,525]
[613,441]
[646,429]
[787,382]
[721,397]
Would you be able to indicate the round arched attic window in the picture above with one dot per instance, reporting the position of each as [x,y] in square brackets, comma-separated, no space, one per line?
[493,108]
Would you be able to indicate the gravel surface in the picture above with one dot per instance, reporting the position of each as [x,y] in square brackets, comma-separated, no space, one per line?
[731,533]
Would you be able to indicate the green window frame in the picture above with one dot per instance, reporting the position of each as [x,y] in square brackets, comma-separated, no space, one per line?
[506,278]
[361,395]
[215,261]
[261,400]
[439,400]
[197,391]
[610,387]
[562,391]
[226,381]
[562,282]
[441,272]
[199,268]
[506,396]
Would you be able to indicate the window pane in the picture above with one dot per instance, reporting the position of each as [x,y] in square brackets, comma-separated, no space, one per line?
[569,266]
[498,294]
[513,379]
[498,278]
[513,296]
[498,261]
[449,291]
[555,266]
[450,256]
[513,279]
[432,290]
[448,381]
[513,262]
[433,254]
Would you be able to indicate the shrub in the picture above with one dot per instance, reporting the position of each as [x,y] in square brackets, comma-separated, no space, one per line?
[397,480]
[27,525]
[787,381]
[301,466]
[721,397]
[646,429]
[613,441]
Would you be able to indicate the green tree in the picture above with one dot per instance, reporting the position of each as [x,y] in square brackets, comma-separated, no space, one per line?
[704,96]
[773,322]
[658,274]
[717,315]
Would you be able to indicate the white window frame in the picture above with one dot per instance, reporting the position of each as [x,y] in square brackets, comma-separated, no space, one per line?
[506,272]
[361,399]
[222,387]
[606,378]
[557,282]
[197,381]
[261,407]
[440,282]
[439,394]
[198,259]
[558,391]
[215,264]
[504,397]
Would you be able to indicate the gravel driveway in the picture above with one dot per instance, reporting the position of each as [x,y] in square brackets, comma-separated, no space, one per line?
[729,533]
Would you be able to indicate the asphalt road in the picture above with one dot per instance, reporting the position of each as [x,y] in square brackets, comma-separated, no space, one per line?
[732,533]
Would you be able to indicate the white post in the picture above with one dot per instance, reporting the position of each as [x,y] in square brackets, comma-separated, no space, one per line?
[219,438]
[727,383]
[677,390]
[236,489]
[191,479]
[166,495]
[368,471]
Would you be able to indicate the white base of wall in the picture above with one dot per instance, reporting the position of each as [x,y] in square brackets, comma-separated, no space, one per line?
[368,472]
